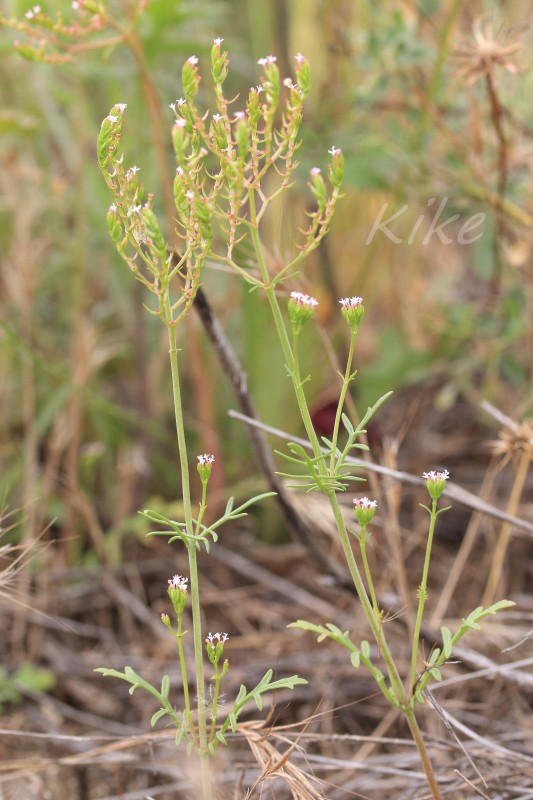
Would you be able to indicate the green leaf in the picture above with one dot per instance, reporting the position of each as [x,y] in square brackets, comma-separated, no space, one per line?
[447,646]
[165,687]
[157,716]
[355,658]
[365,649]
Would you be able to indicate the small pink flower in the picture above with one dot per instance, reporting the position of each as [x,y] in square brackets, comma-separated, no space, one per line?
[364,502]
[239,115]
[121,106]
[206,458]
[299,58]
[180,171]
[304,300]
[335,151]
[436,476]
[314,172]
[216,638]
[111,118]
[351,302]
[192,60]
[180,123]
[178,582]
[264,62]
[218,41]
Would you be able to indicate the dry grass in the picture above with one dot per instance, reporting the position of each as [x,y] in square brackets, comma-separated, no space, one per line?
[334,738]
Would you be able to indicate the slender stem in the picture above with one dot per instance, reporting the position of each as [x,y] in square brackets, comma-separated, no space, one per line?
[216,693]
[422,593]
[183,667]
[368,574]
[193,568]
[416,733]
[202,508]
[345,384]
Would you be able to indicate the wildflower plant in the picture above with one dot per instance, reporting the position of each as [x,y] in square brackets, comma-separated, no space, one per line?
[232,161]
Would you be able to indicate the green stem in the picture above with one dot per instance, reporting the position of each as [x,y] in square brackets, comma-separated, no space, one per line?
[345,384]
[184,680]
[218,678]
[422,594]
[193,568]
[202,508]
[368,574]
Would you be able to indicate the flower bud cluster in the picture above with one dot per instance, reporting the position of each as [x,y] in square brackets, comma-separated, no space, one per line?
[204,465]
[436,482]
[301,309]
[177,591]
[364,510]
[54,34]
[214,645]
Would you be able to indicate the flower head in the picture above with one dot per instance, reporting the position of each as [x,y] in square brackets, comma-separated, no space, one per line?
[177,591]
[364,510]
[178,582]
[205,461]
[192,60]
[214,645]
[218,41]
[265,62]
[436,482]
[301,309]
[352,309]
[315,172]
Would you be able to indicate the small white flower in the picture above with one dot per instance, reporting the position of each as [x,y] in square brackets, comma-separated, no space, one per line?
[351,302]
[314,172]
[121,106]
[364,502]
[180,123]
[193,60]
[206,458]
[111,118]
[180,171]
[217,117]
[299,58]
[239,115]
[178,582]
[218,41]
[264,62]
[335,151]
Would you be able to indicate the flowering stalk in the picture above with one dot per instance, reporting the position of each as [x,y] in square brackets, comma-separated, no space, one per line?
[214,645]
[177,592]
[352,310]
[364,511]
[435,483]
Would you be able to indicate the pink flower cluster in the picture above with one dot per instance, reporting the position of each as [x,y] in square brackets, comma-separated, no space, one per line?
[205,459]
[178,582]
[304,300]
